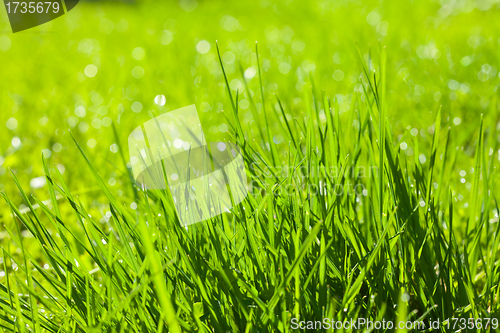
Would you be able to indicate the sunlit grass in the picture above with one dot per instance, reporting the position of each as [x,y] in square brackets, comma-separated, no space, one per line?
[336,224]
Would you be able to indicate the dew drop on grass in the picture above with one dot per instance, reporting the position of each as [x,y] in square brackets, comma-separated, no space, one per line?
[61,168]
[419,90]
[205,107]
[80,111]
[137,107]
[97,99]
[229,23]
[43,121]
[37,182]
[453,85]
[122,25]
[16,142]
[5,43]
[228,57]
[465,88]
[57,147]
[466,61]
[106,121]
[178,143]
[165,37]
[284,67]
[277,139]
[96,123]
[486,68]
[11,124]
[106,26]
[338,75]
[103,110]
[223,128]
[236,85]
[160,100]
[90,70]
[138,72]
[382,29]
[373,18]
[188,5]
[250,72]
[203,47]
[298,46]
[138,53]
[221,146]
[336,58]
[91,143]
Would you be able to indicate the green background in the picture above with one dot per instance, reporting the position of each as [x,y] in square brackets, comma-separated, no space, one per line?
[424,237]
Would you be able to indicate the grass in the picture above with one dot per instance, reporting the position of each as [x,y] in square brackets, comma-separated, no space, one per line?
[413,236]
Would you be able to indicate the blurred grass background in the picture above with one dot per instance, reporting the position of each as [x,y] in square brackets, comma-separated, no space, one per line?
[439,53]
[108,64]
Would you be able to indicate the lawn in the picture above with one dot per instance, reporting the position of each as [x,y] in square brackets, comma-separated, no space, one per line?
[370,133]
